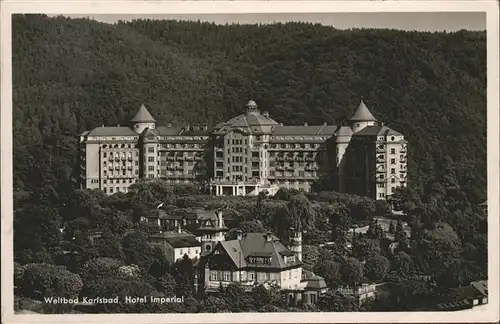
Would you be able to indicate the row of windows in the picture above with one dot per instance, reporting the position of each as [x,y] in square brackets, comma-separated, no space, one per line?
[196,251]
[289,145]
[177,154]
[112,190]
[291,174]
[118,154]
[382,194]
[124,163]
[119,146]
[123,173]
[117,181]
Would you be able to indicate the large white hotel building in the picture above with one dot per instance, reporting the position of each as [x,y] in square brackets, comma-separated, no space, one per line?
[247,154]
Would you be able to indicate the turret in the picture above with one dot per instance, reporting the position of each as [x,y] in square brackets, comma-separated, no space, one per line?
[252,108]
[296,243]
[142,120]
[362,118]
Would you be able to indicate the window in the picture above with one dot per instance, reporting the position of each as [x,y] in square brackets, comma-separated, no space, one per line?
[381,195]
[105,181]
[213,275]
[151,158]
[227,276]
[392,138]
[250,276]
[393,151]
[151,167]
[393,171]
[104,154]
[393,161]
[392,189]
[105,190]
[110,190]
[151,149]
[117,189]
[381,185]
[393,180]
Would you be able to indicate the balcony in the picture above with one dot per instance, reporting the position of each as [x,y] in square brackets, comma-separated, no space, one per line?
[110,158]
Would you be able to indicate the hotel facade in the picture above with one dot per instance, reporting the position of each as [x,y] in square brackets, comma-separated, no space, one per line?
[247,154]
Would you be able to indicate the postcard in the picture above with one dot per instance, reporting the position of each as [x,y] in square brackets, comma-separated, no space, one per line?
[240,162]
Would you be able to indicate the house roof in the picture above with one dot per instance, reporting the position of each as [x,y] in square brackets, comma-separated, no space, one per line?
[183,241]
[112,131]
[327,130]
[481,287]
[143,116]
[362,113]
[344,131]
[310,280]
[171,234]
[252,121]
[377,131]
[256,245]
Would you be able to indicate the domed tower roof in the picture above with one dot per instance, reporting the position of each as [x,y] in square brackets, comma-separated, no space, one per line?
[143,116]
[252,108]
[251,121]
[362,113]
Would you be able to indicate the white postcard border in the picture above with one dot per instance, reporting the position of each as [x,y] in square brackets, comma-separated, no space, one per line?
[489,314]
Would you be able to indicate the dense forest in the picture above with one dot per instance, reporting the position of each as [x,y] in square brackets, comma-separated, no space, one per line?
[70,75]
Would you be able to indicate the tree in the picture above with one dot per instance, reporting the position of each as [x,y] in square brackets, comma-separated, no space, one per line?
[376,267]
[329,270]
[400,236]
[364,248]
[440,247]
[137,250]
[336,302]
[237,299]
[100,268]
[109,245]
[213,304]
[375,231]
[166,284]
[352,272]
[49,280]
[185,276]
[403,266]
[301,212]
[392,229]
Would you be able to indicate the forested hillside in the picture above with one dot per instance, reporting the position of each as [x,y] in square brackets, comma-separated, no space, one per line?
[72,75]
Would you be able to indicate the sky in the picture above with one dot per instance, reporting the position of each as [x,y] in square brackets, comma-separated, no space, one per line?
[421,21]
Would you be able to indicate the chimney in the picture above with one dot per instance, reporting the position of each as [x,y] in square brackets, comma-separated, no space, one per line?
[169,125]
[266,114]
[325,123]
[305,124]
[179,229]
[281,124]
[268,237]
[102,125]
[118,125]
[239,235]
[205,127]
